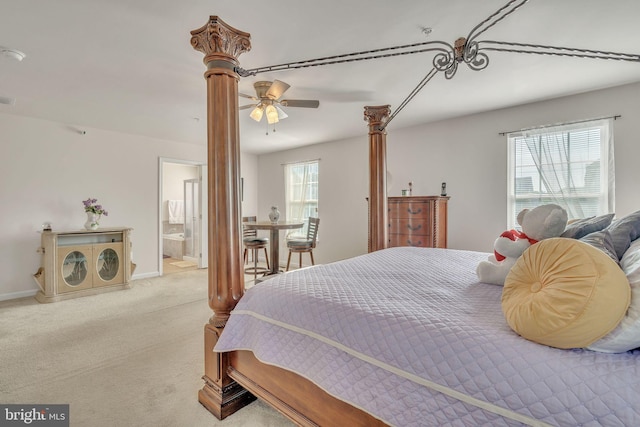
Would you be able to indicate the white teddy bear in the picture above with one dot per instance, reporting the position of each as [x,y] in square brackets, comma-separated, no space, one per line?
[542,222]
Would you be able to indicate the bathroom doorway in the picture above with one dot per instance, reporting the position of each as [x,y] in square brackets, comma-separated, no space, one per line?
[182,231]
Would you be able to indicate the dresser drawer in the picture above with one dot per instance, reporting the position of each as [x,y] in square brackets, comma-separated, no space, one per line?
[417,221]
[409,209]
[396,240]
[414,226]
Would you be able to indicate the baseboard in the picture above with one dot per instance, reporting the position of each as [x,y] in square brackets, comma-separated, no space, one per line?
[33,292]
[17,295]
[145,275]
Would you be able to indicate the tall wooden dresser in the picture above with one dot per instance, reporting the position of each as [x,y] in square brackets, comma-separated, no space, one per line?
[418,221]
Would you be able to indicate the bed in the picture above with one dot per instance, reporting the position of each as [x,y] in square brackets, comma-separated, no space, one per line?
[399,336]
[411,337]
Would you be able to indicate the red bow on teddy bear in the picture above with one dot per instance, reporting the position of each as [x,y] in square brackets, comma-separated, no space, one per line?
[513,235]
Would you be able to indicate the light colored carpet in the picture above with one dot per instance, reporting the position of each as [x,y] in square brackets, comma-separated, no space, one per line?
[125,358]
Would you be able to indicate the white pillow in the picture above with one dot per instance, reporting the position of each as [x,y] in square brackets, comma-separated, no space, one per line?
[626,336]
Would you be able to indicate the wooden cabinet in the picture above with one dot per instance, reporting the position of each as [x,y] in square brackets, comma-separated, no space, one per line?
[418,221]
[83,262]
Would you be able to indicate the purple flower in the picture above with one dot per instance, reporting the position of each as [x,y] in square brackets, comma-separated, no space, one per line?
[90,205]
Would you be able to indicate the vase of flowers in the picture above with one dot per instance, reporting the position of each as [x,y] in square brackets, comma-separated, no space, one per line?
[94,213]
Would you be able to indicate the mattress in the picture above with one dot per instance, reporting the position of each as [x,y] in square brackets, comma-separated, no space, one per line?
[410,336]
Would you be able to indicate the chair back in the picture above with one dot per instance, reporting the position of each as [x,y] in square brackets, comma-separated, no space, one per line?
[246,232]
[312,230]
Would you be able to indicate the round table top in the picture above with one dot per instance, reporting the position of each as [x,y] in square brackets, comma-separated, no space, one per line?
[268,225]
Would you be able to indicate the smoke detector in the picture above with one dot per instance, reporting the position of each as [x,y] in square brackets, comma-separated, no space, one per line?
[12,53]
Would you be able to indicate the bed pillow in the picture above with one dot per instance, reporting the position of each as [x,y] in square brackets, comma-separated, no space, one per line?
[626,336]
[582,227]
[624,231]
[565,293]
[602,240]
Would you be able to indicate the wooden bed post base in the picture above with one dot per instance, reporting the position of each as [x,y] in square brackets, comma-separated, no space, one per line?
[221,395]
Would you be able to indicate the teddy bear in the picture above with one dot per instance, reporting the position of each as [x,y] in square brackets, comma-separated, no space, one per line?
[542,222]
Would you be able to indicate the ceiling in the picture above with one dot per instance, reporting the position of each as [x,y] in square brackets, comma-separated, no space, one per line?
[128,66]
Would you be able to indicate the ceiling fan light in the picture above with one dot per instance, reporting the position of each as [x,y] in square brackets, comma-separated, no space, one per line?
[272,114]
[281,113]
[256,114]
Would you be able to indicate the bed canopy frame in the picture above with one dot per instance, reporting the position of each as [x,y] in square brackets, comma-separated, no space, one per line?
[232,380]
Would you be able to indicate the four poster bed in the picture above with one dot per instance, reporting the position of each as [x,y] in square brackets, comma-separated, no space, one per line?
[400,336]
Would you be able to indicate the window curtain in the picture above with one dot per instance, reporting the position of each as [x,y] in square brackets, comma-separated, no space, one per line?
[570,165]
[300,194]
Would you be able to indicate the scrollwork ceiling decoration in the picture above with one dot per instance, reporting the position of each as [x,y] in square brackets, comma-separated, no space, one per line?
[447,58]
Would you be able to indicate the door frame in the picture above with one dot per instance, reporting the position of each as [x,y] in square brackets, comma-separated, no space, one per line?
[196,258]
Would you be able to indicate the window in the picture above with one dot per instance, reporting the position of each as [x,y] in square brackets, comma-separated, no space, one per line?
[569,165]
[301,192]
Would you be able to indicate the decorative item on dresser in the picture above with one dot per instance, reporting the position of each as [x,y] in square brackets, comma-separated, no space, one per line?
[94,213]
[418,221]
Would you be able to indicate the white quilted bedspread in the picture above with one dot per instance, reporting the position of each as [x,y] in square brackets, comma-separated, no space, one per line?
[410,336]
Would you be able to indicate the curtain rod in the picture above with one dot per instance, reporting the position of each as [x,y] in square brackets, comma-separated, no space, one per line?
[300,161]
[561,124]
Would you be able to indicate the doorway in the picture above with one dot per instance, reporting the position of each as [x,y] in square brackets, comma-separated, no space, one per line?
[182,207]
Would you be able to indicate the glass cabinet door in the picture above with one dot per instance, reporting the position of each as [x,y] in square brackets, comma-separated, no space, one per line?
[74,268]
[74,264]
[107,264]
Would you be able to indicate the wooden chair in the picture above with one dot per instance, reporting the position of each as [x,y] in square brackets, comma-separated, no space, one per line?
[254,243]
[305,245]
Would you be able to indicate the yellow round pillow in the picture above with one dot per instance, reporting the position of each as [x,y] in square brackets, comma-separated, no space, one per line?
[565,293]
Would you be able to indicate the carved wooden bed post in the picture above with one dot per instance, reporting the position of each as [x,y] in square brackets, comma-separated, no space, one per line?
[378,215]
[221,45]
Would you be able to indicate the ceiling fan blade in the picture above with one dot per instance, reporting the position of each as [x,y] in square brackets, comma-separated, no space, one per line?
[246,107]
[248,96]
[305,103]
[276,89]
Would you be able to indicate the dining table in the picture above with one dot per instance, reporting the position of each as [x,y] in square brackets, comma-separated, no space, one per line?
[274,237]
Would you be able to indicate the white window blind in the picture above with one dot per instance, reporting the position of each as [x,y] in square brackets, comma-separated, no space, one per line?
[569,165]
[301,192]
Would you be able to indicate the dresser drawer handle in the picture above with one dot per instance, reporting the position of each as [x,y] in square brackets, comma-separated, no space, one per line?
[414,212]
[417,227]
[410,243]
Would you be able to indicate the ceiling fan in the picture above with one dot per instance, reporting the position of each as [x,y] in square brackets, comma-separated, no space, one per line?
[268,101]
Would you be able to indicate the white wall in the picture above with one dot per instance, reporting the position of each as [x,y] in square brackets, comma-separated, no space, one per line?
[467,153]
[343,187]
[47,169]
[249,171]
